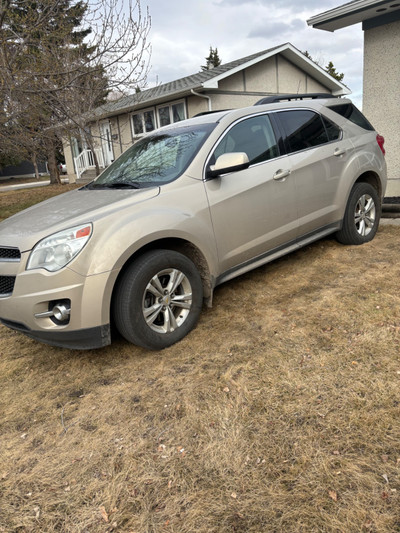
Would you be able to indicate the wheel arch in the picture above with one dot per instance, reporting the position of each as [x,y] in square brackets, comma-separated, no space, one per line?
[373,179]
[182,246]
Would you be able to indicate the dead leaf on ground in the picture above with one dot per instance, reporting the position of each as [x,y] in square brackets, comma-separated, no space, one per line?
[103,513]
[333,495]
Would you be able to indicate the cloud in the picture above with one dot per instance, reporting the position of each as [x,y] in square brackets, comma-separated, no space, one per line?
[276,28]
[320,5]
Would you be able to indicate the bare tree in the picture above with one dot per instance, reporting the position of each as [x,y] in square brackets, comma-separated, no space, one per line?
[58,61]
[119,65]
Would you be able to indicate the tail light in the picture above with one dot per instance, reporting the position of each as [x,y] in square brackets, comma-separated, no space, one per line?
[380,140]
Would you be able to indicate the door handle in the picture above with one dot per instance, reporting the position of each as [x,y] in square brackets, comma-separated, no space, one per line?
[338,152]
[281,174]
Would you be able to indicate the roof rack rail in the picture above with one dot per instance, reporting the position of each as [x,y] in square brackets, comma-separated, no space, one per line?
[283,97]
[210,112]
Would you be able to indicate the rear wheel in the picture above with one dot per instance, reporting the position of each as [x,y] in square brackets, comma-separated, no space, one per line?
[158,299]
[361,219]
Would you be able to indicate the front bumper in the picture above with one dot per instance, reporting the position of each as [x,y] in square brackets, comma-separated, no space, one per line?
[82,339]
[36,291]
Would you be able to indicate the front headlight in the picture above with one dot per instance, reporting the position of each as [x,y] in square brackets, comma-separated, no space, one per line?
[57,250]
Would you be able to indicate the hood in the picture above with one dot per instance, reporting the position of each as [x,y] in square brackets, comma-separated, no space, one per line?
[26,228]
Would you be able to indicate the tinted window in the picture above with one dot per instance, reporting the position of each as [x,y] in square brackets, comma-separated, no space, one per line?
[350,112]
[333,131]
[304,129]
[254,136]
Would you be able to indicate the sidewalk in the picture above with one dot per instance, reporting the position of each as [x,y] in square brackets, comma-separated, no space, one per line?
[5,188]
[390,221]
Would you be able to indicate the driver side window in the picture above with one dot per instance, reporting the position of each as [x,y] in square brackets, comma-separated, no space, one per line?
[253,136]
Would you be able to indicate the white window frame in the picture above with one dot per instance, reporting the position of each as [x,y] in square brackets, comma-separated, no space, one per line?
[169,105]
[141,113]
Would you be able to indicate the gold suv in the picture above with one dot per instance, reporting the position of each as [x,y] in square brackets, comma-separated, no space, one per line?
[184,209]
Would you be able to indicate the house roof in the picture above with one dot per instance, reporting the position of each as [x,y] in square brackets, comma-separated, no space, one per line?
[353,13]
[209,79]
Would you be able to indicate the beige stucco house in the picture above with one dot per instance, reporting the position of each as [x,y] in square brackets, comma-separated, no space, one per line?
[381,95]
[117,125]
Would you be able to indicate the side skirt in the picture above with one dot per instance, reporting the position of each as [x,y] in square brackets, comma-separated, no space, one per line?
[271,255]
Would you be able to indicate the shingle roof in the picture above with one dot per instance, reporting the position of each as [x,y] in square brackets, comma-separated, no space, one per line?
[174,88]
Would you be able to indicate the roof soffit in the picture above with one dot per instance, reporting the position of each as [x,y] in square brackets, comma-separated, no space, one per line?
[352,13]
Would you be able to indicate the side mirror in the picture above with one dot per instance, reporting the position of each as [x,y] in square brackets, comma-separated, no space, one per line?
[230,162]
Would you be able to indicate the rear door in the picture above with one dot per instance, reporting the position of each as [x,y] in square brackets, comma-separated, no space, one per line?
[318,156]
[254,210]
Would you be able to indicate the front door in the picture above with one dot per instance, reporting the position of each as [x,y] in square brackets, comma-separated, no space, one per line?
[106,143]
[253,211]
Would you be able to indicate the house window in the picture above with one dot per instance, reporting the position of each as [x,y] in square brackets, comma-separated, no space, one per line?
[148,120]
[143,122]
[171,113]
[164,116]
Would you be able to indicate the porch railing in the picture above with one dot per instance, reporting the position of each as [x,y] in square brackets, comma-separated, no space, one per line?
[85,161]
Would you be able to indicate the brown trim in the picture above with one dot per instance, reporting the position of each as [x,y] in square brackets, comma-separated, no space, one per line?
[119,133]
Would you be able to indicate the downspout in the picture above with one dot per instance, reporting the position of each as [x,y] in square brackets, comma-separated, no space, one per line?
[203,96]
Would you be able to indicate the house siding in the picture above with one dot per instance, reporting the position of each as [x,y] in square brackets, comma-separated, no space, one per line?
[262,77]
[125,131]
[233,83]
[381,99]
[69,160]
[313,86]
[195,105]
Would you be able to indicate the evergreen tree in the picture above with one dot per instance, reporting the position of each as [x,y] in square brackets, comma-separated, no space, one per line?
[212,59]
[332,71]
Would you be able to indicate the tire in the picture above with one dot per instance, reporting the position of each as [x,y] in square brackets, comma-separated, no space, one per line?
[158,300]
[362,215]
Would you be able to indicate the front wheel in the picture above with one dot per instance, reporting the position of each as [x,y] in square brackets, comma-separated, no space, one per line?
[158,300]
[361,219]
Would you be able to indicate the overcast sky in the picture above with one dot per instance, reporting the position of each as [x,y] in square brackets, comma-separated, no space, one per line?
[183,31]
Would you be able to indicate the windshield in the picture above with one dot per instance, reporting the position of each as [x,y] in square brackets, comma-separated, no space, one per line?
[155,159]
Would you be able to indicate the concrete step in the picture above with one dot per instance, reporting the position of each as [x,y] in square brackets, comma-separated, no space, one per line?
[391,207]
[87,176]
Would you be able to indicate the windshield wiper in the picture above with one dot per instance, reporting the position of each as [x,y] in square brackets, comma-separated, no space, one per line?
[119,185]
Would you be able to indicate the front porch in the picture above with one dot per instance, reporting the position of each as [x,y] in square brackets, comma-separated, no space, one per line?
[85,167]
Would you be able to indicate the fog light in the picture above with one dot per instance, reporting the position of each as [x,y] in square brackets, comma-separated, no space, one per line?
[61,312]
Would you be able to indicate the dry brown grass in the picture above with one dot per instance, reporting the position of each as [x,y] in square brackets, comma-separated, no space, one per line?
[279,413]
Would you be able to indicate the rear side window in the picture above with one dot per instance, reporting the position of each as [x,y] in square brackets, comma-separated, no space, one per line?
[333,131]
[350,112]
[303,128]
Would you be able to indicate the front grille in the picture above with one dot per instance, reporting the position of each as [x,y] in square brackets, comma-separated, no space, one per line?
[9,254]
[6,285]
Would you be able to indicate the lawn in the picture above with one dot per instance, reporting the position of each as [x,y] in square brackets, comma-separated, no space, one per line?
[279,413]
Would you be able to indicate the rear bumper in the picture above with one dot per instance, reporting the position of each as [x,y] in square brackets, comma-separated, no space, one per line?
[81,339]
